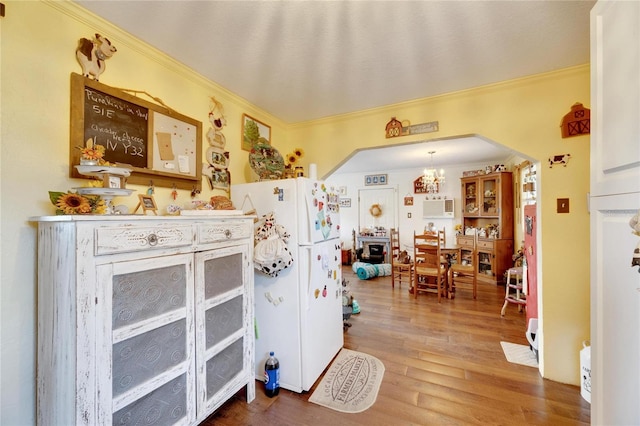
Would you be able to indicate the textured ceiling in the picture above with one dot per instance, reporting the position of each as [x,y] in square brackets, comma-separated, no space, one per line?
[304,60]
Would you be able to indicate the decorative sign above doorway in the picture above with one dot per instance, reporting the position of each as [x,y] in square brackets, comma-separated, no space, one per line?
[395,128]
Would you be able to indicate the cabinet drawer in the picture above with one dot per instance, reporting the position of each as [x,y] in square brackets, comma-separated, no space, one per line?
[465,241]
[485,244]
[223,231]
[120,239]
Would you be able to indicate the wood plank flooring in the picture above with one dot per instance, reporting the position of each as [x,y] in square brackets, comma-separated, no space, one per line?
[443,366]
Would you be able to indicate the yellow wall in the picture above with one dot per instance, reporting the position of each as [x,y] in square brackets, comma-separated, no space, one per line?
[37,57]
[524,115]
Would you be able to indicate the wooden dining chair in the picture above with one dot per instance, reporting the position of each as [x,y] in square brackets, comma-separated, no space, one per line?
[428,271]
[442,237]
[464,271]
[401,267]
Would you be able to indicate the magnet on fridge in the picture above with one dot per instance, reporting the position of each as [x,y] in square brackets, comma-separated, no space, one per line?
[315,202]
[324,291]
[335,274]
[316,293]
[317,225]
[319,257]
[320,205]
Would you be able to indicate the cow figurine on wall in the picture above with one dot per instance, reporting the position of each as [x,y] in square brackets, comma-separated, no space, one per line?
[92,55]
[559,159]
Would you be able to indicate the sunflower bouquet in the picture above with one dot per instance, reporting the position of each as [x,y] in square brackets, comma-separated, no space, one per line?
[92,152]
[293,157]
[291,160]
[74,203]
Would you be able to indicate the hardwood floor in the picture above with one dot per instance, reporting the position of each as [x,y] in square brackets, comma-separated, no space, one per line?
[443,365]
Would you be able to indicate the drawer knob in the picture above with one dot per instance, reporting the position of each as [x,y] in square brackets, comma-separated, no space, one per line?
[152,239]
[227,233]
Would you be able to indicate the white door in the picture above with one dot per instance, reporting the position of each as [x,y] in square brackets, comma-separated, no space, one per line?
[321,316]
[385,198]
[615,198]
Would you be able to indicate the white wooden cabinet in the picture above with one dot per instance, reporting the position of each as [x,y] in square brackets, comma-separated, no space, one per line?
[143,319]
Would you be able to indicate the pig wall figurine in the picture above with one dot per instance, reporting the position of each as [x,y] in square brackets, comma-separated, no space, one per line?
[92,55]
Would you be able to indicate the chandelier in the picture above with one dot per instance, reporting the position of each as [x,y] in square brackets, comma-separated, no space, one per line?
[431,178]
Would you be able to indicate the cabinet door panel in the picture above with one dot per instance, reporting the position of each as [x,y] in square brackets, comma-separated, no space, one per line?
[166,405]
[148,337]
[145,294]
[148,355]
[222,274]
[224,325]
[223,367]
[223,320]
[470,205]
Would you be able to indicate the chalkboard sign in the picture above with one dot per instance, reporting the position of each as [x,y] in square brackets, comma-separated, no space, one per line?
[120,126]
[160,145]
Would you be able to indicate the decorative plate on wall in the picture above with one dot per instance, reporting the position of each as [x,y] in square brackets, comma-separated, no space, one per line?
[266,162]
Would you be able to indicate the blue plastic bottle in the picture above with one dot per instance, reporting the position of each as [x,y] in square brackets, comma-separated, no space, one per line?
[272,376]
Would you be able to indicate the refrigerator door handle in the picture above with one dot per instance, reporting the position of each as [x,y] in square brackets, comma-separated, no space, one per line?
[305,271]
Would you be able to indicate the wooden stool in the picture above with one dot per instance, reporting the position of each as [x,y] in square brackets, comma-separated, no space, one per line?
[518,298]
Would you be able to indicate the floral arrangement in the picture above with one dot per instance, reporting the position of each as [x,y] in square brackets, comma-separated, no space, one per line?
[93,152]
[458,229]
[74,203]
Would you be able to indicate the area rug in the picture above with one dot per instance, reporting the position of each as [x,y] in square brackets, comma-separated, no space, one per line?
[351,384]
[519,354]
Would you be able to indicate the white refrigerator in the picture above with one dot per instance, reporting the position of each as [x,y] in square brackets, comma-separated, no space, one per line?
[299,312]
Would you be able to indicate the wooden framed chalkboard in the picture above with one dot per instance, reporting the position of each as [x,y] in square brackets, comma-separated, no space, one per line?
[159,144]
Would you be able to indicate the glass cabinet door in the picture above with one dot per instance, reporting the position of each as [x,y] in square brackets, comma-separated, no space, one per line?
[489,193]
[485,264]
[470,202]
[148,308]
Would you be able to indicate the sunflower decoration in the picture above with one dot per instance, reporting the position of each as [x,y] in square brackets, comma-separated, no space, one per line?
[293,157]
[93,152]
[74,203]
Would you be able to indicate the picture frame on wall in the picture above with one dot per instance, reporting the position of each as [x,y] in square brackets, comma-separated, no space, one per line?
[380,179]
[408,200]
[252,131]
[345,202]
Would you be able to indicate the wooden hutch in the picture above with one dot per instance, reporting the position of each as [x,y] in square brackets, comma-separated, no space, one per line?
[487,206]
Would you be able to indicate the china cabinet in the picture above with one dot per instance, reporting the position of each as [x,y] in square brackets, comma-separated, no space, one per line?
[143,319]
[487,208]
